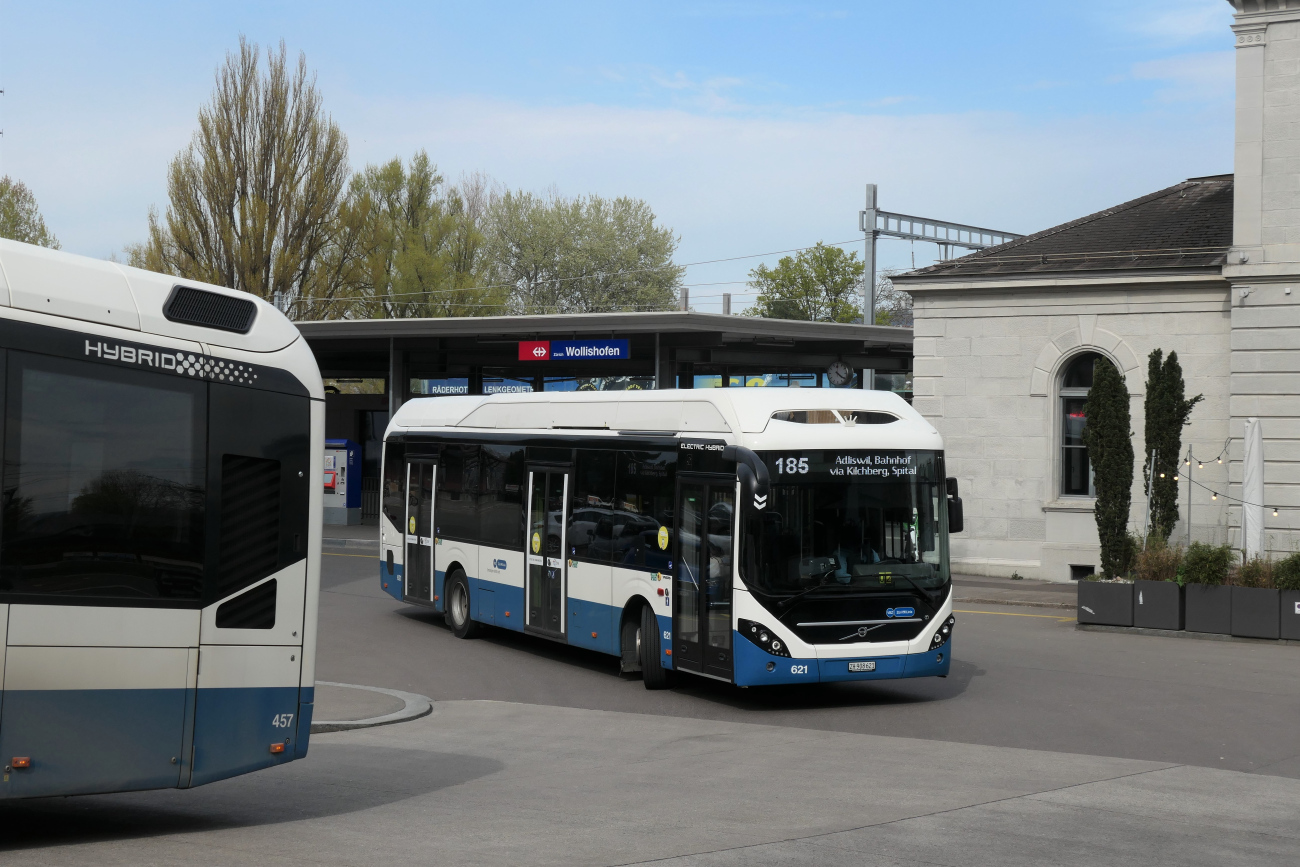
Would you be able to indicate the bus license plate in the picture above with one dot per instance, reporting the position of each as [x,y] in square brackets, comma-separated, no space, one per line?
[862,666]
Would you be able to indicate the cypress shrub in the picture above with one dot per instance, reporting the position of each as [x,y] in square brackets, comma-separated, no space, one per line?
[1206,564]
[1167,412]
[1109,440]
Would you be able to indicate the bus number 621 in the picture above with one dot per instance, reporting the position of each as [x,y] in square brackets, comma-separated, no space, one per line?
[798,669]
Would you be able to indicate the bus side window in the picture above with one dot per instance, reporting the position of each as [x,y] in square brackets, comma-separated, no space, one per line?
[104,482]
[393,496]
[456,510]
[591,502]
[501,503]
[643,509]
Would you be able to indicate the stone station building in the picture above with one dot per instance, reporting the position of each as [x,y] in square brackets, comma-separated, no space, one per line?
[1209,268]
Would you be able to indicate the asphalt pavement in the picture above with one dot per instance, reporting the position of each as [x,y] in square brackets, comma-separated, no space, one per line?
[1045,745]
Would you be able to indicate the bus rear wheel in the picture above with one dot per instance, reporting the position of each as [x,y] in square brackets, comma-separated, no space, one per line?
[653,673]
[457,606]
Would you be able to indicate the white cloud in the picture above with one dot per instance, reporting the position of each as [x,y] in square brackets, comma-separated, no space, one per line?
[1203,77]
[729,183]
[1174,21]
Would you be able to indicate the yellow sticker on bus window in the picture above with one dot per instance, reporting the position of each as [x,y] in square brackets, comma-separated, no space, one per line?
[412,525]
[663,538]
[537,543]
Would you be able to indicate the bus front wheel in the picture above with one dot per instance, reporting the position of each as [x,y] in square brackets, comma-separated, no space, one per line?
[457,615]
[653,673]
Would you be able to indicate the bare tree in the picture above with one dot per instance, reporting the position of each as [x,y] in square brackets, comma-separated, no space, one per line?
[253,200]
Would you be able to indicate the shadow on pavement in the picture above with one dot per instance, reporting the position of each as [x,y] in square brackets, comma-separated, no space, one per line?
[334,779]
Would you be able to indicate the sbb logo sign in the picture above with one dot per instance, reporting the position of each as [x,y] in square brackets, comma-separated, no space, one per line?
[534,350]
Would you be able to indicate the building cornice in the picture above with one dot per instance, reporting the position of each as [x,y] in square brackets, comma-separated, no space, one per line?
[1253,15]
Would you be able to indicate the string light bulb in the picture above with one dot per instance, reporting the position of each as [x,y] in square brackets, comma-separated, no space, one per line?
[1213,496]
[1275,513]
[1220,460]
[1162,475]
[1200,466]
[1175,478]
[1188,462]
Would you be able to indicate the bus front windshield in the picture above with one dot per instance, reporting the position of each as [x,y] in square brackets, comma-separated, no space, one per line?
[862,520]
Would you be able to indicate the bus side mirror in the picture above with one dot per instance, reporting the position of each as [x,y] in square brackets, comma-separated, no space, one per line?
[952,486]
[956,519]
[752,473]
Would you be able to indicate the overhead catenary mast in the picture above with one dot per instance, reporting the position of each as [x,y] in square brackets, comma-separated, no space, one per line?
[876,223]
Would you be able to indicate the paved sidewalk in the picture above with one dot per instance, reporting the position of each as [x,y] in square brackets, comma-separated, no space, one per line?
[350,536]
[489,783]
[1003,591]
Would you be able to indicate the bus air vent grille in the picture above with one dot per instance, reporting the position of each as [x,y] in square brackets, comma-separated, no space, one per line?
[210,310]
[252,609]
[250,521]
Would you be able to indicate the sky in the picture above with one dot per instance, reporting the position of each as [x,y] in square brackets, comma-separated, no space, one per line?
[749,128]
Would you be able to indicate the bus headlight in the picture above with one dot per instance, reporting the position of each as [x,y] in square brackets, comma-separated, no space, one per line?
[760,635]
[943,633]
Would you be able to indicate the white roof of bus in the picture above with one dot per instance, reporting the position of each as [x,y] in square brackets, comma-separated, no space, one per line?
[743,413]
[94,290]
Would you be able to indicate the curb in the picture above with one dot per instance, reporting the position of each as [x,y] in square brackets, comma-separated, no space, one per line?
[414,707]
[979,600]
[1181,633]
[348,543]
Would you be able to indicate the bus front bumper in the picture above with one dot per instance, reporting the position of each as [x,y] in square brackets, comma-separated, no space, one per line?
[756,667]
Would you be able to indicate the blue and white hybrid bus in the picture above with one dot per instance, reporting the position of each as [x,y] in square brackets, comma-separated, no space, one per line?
[755,536]
[159,549]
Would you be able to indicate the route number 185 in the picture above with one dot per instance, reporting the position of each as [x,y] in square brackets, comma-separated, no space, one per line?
[791,466]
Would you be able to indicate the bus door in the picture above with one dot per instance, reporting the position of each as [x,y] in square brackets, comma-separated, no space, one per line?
[706,511]
[420,484]
[546,584]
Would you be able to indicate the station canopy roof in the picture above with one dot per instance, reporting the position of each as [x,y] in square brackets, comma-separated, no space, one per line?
[360,347]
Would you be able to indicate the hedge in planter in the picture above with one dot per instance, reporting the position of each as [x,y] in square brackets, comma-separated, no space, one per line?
[1255,602]
[1208,601]
[1158,600]
[1286,576]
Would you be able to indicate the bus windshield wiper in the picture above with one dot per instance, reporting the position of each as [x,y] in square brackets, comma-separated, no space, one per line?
[790,600]
[918,588]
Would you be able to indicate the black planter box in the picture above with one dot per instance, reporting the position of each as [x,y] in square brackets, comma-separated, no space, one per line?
[1290,626]
[1158,605]
[1208,608]
[1255,612]
[1105,603]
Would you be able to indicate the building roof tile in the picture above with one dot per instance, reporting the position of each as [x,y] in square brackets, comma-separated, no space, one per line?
[1186,226]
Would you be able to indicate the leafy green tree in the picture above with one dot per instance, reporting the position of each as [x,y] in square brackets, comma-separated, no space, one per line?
[253,202]
[406,246]
[893,305]
[20,219]
[820,284]
[1108,438]
[583,255]
[1167,411]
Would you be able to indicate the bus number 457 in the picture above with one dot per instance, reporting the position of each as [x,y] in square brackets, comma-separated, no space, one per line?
[282,720]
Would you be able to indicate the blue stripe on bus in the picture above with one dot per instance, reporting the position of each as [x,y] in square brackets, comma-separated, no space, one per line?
[235,727]
[751,666]
[120,740]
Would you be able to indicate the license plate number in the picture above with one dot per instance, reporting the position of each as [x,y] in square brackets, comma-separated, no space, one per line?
[862,666]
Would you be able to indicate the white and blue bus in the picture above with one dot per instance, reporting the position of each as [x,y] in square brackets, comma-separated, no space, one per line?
[755,536]
[159,550]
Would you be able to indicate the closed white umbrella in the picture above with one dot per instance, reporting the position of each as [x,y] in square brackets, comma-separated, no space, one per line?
[1252,491]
